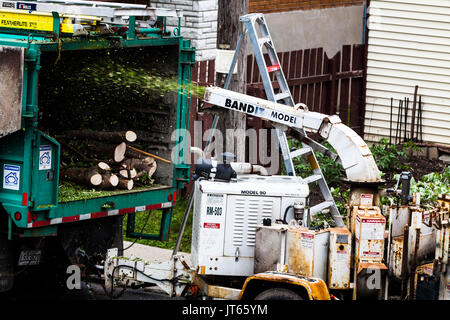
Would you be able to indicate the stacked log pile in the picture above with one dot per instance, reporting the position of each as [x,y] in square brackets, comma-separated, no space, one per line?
[107,160]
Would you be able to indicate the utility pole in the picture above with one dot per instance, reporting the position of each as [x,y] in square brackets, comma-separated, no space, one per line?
[228,31]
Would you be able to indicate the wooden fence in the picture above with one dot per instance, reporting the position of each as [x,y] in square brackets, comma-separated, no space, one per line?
[327,85]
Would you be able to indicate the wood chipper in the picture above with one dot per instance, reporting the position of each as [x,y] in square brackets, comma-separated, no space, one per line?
[252,234]
[69,66]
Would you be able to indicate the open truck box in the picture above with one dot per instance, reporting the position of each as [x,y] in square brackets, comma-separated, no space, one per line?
[57,94]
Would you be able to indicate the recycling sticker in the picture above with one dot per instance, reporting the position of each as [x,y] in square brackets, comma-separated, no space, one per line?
[11,177]
[45,157]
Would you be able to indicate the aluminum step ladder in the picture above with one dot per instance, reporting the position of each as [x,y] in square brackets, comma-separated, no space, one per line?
[255,25]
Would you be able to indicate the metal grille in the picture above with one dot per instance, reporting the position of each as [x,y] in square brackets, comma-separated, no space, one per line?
[257,210]
[239,221]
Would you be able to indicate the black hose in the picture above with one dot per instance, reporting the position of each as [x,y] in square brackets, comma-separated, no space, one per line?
[138,238]
[285,213]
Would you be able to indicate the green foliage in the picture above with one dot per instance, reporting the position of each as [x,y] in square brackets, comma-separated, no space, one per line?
[431,185]
[331,169]
[153,226]
[146,180]
[389,156]
[323,220]
[340,196]
[69,191]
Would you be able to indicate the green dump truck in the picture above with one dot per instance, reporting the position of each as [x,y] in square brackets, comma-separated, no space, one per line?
[57,71]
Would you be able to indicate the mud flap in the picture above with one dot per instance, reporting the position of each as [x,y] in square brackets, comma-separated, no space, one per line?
[6,265]
[87,242]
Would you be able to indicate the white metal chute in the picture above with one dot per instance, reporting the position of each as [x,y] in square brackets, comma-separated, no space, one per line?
[355,156]
[354,153]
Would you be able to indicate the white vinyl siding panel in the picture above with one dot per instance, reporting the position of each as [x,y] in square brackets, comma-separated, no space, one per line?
[408,45]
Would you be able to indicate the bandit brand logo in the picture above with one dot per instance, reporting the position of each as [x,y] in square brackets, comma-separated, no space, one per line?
[240,106]
[26,6]
[283,117]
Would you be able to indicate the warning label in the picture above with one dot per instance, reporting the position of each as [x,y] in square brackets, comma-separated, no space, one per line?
[211,225]
[371,254]
[341,254]
[45,157]
[214,199]
[366,200]
[11,177]
[372,229]
[307,240]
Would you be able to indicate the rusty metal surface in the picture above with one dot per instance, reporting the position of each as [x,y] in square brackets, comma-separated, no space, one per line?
[396,257]
[369,230]
[419,228]
[398,218]
[307,252]
[268,245]
[316,288]
[339,261]
[11,75]
[214,291]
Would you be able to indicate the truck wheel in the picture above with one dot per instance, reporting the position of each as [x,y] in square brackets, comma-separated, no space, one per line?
[278,294]
[6,266]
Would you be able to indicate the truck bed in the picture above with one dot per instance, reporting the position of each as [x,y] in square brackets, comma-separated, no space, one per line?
[69,192]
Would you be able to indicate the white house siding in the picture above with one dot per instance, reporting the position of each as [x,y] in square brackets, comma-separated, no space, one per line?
[408,45]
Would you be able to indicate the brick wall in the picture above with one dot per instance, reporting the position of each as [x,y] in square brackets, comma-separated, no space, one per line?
[265,6]
[199,23]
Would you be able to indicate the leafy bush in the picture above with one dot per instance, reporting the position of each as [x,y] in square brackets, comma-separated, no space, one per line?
[331,169]
[431,185]
[389,156]
[340,196]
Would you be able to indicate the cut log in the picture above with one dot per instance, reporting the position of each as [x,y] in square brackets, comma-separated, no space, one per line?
[150,170]
[85,176]
[109,181]
[113,137]
[104,166]
[119,152]
[143,166]
[126,184]
[128,174]
[107,151]
[138,164]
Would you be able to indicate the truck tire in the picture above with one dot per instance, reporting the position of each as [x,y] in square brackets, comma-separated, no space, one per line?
[278,294]
[6,266]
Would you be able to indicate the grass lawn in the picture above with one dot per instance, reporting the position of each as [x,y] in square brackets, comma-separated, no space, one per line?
[153,225]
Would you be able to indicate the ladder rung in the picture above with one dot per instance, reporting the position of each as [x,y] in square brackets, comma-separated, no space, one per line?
[282,95]
[264,40]
[300,152]
[313,178]
[321,206]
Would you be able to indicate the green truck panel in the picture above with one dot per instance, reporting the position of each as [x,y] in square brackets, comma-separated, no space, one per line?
[30,158]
